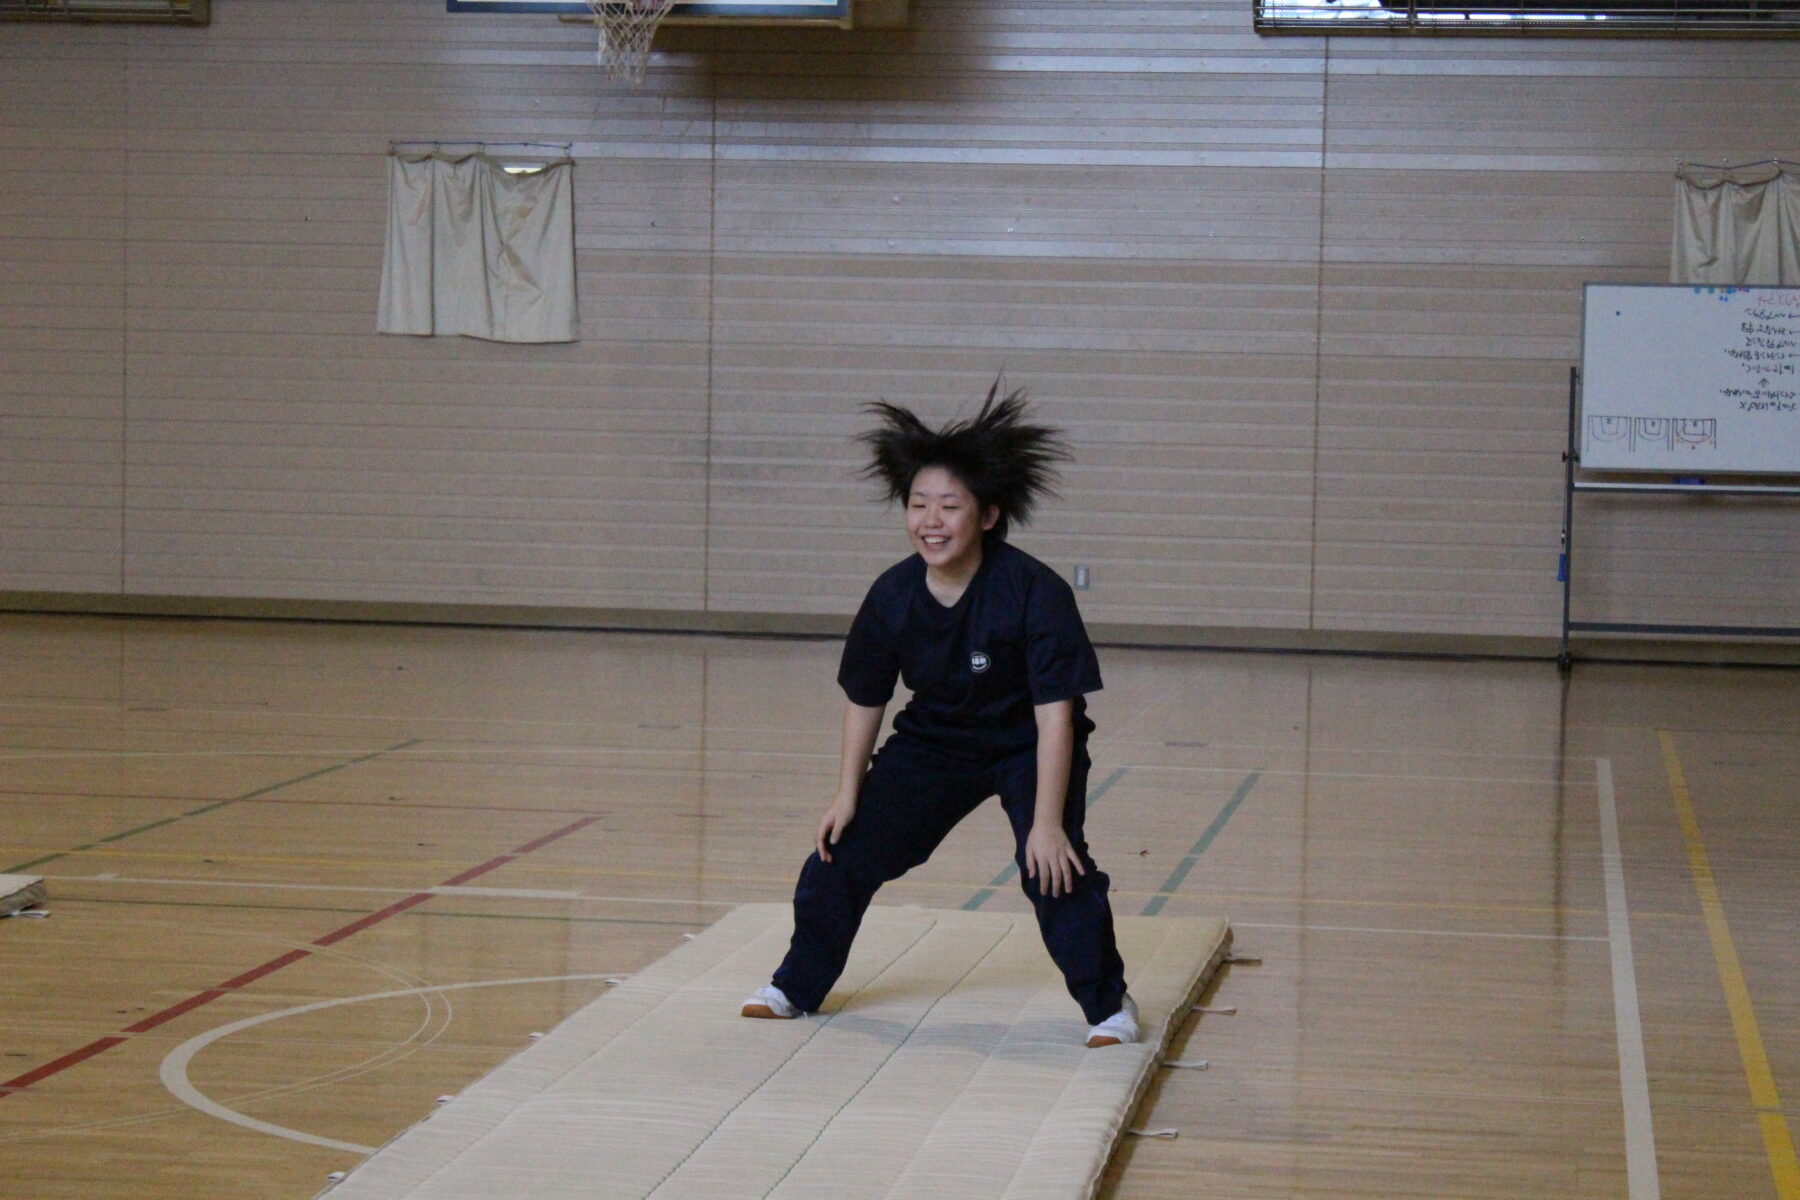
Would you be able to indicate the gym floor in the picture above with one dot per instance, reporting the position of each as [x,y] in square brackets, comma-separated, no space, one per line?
[1520,933]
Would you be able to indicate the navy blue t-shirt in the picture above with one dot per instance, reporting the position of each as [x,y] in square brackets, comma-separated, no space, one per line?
[1014,639]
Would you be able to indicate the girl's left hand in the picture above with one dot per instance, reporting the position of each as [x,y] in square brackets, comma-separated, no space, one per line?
[1050,859]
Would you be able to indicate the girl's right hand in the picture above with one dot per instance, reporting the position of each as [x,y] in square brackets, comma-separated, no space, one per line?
[837,818]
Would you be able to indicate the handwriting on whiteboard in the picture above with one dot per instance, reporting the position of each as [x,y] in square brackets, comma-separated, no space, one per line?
[1686,378]
[1653,433]
[1769,353]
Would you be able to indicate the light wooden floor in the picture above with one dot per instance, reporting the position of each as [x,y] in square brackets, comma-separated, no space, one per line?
[1415,849]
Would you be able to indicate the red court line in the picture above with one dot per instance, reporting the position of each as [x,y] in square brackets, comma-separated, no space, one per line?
[268,968]
[175,1010]
[36,1074]
[68,1060]
[374,918]
[483,869]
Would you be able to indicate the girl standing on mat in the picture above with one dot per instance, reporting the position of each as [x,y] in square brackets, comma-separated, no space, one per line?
[990,642]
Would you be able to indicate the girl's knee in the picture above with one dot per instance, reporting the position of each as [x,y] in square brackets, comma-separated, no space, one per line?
[1082,887]
[851,867]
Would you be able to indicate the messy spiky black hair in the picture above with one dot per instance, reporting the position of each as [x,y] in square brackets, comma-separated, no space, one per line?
[1004,460]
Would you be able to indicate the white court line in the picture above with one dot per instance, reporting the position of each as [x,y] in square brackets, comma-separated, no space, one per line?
[1114,736]
[500,754]
[504,893]
[58,755]
[1147,768]
[1110,739]
[1114,723]
[1467,933]
[174,1069]
[1634,1085]
[607,758]
[523,893]
[537,894]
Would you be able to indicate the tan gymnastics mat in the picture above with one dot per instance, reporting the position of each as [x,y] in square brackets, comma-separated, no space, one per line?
[948,1065]
[20,891]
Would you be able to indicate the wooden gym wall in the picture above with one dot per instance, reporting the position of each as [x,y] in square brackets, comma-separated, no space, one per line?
[1307,307]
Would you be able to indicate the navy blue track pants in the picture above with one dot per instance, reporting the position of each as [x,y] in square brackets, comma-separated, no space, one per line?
[910,800]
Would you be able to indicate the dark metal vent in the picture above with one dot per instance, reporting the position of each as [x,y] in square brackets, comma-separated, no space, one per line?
[166,12]
[1617,18]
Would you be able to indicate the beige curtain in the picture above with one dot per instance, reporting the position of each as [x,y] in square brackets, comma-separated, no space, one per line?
[1737,224]
[473,249]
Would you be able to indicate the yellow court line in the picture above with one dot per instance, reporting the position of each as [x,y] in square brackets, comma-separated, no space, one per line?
[1778,1141]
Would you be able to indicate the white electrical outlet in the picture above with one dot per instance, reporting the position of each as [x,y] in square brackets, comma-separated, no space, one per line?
[1081,577]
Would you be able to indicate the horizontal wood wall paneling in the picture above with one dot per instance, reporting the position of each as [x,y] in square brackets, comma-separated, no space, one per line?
[1122,410]
[86,260]
[530,542]
[310,571]
[1495,221]
[1712,560]
[417,405]
[1470,190]
[1007,184]
[866,212]
[1554,58]
[944,383]
[269,417]
[1449,473]
[62,136]
[1139,473]
[1543,105]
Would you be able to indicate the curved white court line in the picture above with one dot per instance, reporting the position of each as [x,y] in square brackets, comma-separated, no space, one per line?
[174,1070]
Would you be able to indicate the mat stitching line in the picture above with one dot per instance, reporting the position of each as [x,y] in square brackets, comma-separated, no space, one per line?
[823,1025]
[1049,985]
[1137,1090]
[1018,1166]
[505,1118]
[1010,927]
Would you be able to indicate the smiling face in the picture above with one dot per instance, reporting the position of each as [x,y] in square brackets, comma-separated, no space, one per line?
[945,523]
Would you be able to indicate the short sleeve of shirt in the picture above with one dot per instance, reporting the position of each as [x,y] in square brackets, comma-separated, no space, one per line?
[869,667]
[1059,660]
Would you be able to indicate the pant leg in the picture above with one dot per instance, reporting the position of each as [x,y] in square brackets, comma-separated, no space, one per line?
[1077,926]
[909,801]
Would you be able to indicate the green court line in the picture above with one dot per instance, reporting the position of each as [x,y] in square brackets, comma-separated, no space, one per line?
[1206,839]
[206,808]
[1012,868]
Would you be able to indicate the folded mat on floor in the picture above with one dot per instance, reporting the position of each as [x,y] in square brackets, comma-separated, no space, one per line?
[948,1064]
[20,891]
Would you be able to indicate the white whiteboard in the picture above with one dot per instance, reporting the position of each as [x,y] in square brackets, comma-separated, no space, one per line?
[1690,379]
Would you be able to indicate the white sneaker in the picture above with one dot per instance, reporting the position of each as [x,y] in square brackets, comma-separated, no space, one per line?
[770,1002]
[1118,1029]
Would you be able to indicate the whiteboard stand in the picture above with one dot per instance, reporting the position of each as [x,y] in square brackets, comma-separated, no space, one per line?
[1566,564]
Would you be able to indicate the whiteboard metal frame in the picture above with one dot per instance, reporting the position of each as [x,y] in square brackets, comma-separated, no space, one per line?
[1566,562]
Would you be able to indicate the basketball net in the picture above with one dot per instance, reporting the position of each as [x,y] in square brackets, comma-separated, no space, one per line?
[626,29]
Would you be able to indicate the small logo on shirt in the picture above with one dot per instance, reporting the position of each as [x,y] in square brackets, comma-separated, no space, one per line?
[979,662]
